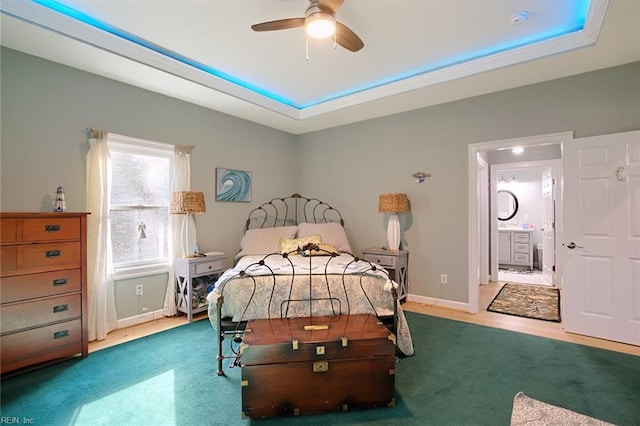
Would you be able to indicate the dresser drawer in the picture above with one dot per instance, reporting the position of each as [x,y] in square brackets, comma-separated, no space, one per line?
[381,259]
[50,229]
[45,343]
[9,231]
[521,237]
[24,287]
[8,259]
[211,266]
[521,247]
[16,317]
[49,255]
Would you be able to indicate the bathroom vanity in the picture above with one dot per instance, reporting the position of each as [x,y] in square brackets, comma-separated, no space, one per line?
[515,247]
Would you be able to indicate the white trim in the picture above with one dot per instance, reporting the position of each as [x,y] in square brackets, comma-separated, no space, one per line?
[434,301]
[140,319]
[473,150]
[126,273]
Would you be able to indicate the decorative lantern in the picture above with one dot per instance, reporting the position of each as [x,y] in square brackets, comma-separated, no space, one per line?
[60,203]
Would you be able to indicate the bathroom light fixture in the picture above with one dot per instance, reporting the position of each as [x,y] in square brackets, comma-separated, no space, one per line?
[502,183]
[517,150]
[393,203]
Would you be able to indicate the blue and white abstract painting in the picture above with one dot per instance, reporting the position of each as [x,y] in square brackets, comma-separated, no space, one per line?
[233,185]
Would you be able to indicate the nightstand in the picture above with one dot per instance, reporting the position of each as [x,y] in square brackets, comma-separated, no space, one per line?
[193,276]
[396,263]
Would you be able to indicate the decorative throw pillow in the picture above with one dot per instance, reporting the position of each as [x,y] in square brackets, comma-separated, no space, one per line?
[265,240]
[287,245]
[323,250]
[331,233]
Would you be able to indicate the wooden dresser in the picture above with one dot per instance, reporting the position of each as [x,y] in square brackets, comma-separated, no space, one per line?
[43,288]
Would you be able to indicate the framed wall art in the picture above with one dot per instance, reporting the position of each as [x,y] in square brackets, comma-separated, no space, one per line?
[233,185]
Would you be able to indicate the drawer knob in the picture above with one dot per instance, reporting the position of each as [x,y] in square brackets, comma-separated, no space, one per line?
[59,281]
[51,228]
[61,334]
[52,253]
[60,308]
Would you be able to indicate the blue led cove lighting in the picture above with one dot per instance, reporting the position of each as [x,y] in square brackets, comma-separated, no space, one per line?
[82,17]
[576,26]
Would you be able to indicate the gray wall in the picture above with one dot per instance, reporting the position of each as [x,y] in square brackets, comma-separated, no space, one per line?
[47,107]
[351,165]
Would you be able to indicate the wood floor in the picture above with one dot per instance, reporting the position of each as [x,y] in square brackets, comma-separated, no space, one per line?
[547,329]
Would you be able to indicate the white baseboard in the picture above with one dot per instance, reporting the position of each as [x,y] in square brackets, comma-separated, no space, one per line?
[444,303]
[140,319]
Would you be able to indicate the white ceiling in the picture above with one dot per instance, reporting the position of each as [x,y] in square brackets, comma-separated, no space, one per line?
[417,53]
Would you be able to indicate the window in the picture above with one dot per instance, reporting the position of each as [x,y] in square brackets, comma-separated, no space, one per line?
[140,194]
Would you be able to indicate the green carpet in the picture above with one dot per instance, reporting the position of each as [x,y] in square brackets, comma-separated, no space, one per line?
[462,374]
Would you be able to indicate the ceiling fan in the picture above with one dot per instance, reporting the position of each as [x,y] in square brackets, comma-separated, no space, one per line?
[320,22]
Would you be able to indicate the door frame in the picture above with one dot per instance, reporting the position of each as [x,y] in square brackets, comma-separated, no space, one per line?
[483,221]
[473,258]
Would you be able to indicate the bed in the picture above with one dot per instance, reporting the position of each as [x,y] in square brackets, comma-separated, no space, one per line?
[295,261]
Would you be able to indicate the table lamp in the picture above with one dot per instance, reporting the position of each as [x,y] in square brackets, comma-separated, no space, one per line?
[393,203]
[187,203]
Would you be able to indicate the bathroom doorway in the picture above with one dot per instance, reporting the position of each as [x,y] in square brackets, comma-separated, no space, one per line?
[541,148]
[524,203]
[523,221]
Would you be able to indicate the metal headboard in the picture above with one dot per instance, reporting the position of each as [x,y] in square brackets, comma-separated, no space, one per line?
[292,210]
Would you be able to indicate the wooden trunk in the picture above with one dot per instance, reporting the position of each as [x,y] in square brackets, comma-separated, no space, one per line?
[316,365]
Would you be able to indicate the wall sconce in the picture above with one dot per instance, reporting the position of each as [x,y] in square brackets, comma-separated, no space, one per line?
[420,176]
[502,183]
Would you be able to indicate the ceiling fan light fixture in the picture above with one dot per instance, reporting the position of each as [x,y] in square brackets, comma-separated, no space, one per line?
[320,24]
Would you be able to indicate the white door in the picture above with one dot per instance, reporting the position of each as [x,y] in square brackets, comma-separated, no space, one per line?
[601,237]
[548,226]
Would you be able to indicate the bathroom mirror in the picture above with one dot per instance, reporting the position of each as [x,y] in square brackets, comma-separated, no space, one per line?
[507,205]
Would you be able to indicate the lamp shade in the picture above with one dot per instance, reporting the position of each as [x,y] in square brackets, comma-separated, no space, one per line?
[186,202]
[393,203]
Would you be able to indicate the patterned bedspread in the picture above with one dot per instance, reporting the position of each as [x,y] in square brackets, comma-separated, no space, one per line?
[274,286]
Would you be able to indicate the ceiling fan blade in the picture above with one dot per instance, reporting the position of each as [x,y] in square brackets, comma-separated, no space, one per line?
[281,24]
[332,5]
[347,38]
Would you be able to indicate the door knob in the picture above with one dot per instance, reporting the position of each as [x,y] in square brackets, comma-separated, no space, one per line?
[571,245]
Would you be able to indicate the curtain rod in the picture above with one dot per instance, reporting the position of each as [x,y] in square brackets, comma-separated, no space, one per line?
[93,133]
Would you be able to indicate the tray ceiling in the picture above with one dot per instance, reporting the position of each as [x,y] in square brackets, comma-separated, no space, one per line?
[416,52]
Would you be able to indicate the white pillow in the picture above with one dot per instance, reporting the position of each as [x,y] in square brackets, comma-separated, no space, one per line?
[331,233]
[265,240]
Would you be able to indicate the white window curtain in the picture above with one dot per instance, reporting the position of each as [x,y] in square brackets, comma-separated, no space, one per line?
[101,310]
[181,182]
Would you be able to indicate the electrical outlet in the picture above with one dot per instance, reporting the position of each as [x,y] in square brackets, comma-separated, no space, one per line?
[443,278]
[139,290]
